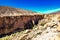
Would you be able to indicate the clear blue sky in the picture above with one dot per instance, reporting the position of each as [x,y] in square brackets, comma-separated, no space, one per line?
[34,5]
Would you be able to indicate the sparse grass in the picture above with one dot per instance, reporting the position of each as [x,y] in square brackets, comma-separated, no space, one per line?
[5,38]
[35,26]
[15,34]
[12,35]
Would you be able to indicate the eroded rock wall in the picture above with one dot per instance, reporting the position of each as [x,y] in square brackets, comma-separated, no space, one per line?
[10,23]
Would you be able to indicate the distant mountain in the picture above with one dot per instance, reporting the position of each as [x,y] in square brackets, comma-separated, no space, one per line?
[51,11]
[58,12]
[9,11]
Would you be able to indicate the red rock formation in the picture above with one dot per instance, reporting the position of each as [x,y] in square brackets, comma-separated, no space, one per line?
[10,23]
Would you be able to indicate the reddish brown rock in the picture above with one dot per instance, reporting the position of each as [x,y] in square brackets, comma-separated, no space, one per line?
[12,19]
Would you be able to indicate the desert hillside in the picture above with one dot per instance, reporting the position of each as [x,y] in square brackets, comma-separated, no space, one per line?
[37,26]
[10,11]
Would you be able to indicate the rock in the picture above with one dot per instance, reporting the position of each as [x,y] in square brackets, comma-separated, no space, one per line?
[57,38]
[58,28]
[22,37]
[27,31]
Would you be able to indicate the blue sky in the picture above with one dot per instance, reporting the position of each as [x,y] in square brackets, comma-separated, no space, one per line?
[34,5]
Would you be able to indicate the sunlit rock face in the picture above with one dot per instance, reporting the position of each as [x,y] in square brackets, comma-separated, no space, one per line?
[12,19]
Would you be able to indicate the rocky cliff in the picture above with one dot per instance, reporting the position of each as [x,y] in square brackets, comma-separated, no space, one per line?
[12,19]
[47,29]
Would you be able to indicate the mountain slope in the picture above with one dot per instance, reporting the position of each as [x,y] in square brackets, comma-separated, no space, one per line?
[9,11]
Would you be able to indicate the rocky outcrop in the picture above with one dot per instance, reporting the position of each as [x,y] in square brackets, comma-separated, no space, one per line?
[14,19]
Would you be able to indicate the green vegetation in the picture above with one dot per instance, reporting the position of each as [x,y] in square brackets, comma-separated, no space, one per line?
[12,35]
[5,38]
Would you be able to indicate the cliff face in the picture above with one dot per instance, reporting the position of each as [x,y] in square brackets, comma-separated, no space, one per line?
[11,20]
[47,29]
